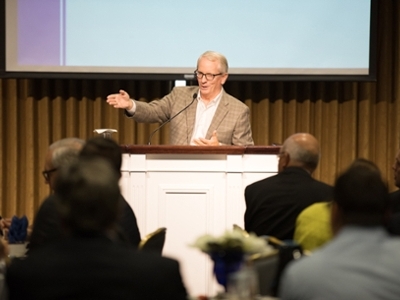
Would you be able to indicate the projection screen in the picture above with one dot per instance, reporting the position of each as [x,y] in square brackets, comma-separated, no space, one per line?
[162,39]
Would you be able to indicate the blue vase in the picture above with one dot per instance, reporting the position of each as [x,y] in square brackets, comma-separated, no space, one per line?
[226,263]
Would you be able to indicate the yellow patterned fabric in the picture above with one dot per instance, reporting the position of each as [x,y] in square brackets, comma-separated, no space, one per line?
[313,228]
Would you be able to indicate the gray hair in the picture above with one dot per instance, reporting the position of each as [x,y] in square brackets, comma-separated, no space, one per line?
[65,151]
[215,56]
[308,156]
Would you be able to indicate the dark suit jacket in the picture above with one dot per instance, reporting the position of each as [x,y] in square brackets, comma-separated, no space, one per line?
[47,224]
[395,201]
[394,221]
[93,268]
[231,119]
[273,204]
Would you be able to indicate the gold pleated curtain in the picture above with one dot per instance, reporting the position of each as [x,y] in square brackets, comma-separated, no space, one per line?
[350,119]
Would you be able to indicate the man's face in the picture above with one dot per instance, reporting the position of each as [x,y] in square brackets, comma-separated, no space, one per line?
[49,170]
[396,169]
[209,89]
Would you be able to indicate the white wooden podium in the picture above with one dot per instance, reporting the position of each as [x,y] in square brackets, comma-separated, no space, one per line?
[191,191]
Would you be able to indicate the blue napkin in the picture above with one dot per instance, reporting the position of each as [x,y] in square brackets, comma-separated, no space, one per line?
[18,230]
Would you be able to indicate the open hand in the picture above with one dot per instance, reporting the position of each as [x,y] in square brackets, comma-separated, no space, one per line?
[120,100]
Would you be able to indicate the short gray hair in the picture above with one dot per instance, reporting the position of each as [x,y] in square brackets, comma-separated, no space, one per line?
[216,56]
[65,151]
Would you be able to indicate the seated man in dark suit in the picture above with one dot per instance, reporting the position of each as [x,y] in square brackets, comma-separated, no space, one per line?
[87,264]
[273,204]
[46,227]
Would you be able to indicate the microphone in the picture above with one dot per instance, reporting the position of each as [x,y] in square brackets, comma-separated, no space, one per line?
[170,119]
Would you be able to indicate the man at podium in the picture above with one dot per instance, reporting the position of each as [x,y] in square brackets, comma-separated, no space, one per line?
[203,115]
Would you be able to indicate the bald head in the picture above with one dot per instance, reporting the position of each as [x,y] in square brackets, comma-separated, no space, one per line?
[300,150]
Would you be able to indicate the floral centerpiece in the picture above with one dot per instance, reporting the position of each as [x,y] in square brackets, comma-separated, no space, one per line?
[16,235]
[228,251]
[18,231]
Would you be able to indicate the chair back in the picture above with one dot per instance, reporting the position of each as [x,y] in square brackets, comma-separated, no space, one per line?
[154,241]
[266,267]
[287,251]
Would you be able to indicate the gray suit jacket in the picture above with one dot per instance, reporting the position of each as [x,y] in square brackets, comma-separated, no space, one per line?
[231,119]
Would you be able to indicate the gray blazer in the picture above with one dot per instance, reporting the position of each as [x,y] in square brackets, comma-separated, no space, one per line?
[231,119]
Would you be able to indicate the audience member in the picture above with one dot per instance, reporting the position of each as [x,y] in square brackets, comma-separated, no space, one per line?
[205,114]
[87,264]
[127,229]
[362,261]
[313,225]
[46,225]
[273,204]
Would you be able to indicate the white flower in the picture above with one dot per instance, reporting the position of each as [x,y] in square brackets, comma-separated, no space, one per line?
[232,240]
[254,244]
[203,242]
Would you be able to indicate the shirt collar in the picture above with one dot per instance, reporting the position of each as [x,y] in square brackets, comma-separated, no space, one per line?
[215,100]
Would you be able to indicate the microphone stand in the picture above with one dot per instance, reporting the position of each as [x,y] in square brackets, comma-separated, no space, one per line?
[170,119]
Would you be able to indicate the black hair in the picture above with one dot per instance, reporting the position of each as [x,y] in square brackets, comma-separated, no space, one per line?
[361,195]
[105,148]
[87,194]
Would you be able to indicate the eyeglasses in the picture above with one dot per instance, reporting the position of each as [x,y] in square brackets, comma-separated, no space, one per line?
[209,76]
[46,173]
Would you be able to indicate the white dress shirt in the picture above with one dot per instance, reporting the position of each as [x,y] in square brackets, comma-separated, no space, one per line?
[204,115]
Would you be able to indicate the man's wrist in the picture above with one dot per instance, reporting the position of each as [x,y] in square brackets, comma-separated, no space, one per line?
[131,105]
[130,111]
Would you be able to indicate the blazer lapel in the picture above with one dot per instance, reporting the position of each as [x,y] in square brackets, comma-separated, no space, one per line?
[220,114]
